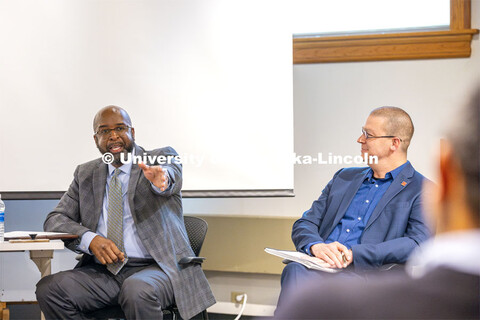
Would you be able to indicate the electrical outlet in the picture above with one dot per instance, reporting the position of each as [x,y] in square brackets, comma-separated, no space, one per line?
[236,294]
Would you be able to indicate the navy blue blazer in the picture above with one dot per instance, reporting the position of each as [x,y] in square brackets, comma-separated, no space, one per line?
[395,228]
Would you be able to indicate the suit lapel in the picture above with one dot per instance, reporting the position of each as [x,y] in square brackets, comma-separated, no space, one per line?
[347,199]
[132,184]
[398,184]
[99,183]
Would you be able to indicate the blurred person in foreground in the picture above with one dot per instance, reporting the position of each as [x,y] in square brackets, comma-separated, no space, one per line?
[443,275]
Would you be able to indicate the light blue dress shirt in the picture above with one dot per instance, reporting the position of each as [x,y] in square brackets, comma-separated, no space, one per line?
[131,242]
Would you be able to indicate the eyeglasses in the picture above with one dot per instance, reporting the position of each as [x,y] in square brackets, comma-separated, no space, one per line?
[369,136]
[118,130]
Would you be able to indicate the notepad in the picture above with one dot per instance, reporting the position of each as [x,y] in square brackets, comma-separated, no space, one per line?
[14,235]
[304,259]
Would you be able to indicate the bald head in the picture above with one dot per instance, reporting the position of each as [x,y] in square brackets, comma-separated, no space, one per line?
[398,123]
[109,111]
[113,133]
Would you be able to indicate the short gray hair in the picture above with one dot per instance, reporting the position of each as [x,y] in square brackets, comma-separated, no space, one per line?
[399,124]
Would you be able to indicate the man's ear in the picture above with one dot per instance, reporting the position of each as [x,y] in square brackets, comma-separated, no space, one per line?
[96,139]
[133,133]
[439,196]
[449,171]
[395,144]
[452,193]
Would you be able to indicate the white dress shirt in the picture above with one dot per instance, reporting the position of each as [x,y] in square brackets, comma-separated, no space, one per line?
[454,250]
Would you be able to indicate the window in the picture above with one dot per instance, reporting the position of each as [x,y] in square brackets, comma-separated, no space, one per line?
[353,16]
[447,34]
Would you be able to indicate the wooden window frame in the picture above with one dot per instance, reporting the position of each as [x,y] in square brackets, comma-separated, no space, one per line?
[452,43]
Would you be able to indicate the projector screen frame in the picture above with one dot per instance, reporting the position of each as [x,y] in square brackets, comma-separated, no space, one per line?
[193,194]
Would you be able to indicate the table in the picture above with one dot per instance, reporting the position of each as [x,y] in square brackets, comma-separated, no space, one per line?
[41,253]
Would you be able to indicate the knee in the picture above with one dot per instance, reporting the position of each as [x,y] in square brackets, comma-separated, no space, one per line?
[56,285]
[291,270]
[135,291]
[51,288]
[44,288]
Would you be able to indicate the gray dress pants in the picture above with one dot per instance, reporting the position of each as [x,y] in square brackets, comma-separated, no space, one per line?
[141,288]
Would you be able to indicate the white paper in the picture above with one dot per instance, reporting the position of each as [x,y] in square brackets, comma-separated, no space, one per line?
[302,258]
[20,234]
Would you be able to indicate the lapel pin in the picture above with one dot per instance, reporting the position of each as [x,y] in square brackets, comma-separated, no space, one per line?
[404,183]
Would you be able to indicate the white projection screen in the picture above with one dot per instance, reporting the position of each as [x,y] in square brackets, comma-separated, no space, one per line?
[211,78]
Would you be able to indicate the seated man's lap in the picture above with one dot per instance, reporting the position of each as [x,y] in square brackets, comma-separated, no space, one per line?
[87,288]
[296,275]
[92,287]
[150,284]
[295,271]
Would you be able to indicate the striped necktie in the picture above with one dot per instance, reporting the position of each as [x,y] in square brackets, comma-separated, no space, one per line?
[115,219]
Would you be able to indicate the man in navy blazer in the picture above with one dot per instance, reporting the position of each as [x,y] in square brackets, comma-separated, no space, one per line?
[365,217]
[443,277]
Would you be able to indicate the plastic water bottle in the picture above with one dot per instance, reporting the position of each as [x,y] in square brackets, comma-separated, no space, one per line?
[2,219]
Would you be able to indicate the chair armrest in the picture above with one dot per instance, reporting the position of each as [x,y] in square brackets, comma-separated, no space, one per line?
[189,260]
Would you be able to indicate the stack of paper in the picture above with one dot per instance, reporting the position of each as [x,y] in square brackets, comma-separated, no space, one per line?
[305,259]
[37,235]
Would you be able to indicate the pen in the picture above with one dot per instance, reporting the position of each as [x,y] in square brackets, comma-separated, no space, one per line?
[344,258]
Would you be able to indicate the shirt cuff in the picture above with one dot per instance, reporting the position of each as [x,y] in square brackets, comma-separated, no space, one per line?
[170,183]
[308,246]
[84,245]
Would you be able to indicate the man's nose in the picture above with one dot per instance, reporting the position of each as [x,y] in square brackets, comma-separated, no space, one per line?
[113,135]
[361,139]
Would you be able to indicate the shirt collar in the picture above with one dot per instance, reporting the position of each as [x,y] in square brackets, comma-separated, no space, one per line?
[454,250]
[125,168]
[394,173]
[389,175]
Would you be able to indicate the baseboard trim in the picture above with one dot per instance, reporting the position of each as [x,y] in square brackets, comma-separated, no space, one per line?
[263,310]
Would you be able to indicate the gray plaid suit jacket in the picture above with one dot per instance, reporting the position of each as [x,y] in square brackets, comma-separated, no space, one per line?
[158,219]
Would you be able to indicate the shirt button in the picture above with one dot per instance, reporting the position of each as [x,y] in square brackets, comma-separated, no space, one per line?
[348,230]
[376,185]
[367,201]
[359,218]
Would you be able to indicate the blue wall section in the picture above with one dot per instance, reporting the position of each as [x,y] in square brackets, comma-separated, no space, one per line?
[27,214]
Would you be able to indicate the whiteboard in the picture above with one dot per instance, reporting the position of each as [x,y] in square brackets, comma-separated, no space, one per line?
[211,78]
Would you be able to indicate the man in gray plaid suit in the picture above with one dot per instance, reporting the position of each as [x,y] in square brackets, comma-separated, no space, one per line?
[130,225]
